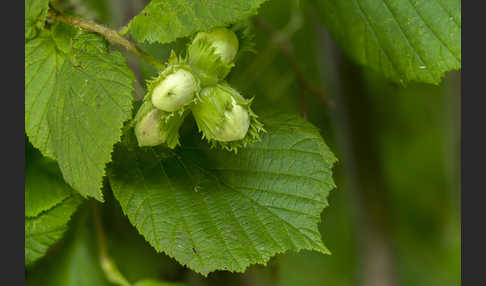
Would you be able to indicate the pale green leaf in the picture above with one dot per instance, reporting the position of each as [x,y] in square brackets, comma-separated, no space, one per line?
[93,99]
[42,231]
[164,21]
[42,62]
[406,40]
[214,210]
[35,12]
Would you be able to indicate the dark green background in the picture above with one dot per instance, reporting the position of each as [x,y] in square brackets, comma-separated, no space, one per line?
[394,218]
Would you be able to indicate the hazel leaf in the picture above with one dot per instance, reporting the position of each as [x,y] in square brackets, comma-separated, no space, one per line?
[214,210]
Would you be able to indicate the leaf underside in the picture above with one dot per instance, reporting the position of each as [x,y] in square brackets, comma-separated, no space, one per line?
[164,21]
[214,210]
[406,40]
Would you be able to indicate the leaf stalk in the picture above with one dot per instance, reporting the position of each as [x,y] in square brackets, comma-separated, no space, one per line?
[108,266]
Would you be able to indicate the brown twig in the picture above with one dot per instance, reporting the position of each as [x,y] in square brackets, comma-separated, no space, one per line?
[109,34]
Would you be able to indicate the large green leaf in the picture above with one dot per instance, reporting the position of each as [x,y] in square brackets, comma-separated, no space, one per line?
[93,99]
[42,231]
[407,40]
[123,248]
[35,12]
[42,62]
[44,57]
[164,21]
[212,209]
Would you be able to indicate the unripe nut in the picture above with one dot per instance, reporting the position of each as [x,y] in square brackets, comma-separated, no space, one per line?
[175,91]
[224,42]
[236,124]
[148,129]
[222,114]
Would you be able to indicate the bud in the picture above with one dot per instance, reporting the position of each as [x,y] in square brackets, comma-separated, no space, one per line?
[224,42]
[174,88]
[154,127]
[211,54]
[225,118]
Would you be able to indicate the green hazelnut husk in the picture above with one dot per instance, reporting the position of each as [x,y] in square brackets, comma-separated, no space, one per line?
[225,118]
[175,88]
[211,54]
[224,42]
[154,126]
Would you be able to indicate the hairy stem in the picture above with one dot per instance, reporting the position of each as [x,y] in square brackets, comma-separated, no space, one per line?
[111,35]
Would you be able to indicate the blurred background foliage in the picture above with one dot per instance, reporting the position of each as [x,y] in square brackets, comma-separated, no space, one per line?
[394,218]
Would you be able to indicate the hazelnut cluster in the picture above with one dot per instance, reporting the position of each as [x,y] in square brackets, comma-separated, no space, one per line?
[196,84]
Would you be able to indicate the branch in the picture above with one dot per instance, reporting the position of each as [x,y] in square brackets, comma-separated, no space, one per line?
[284,44]
[109,34]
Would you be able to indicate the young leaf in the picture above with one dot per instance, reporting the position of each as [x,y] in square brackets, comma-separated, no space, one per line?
[43,60]
[35,12]
[42,231]
[164,21]
[214,210]
[406,40]
[93,99]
